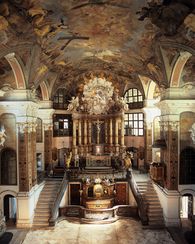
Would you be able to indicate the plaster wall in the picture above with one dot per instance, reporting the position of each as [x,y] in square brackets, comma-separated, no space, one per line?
[170,202]
[62,142]
[26,203]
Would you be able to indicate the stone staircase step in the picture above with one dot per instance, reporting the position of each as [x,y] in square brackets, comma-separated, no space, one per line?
[40,224]
[40,214]
[155,211]
[45,202]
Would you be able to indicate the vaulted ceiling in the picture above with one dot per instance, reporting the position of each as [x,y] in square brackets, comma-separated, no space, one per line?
[62,42]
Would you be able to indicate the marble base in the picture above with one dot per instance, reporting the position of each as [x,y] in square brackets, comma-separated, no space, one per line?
[124,231]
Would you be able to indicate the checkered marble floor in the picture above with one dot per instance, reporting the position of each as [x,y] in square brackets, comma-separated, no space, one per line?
[125,231]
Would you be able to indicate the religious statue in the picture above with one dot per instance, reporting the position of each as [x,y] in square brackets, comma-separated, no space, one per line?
[74,104]
[68,160]
[127,161]
[2,136]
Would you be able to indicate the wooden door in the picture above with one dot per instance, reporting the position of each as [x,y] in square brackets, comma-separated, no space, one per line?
[74,194]
[121,194]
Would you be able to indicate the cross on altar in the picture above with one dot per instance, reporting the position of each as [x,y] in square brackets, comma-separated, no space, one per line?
[98,126]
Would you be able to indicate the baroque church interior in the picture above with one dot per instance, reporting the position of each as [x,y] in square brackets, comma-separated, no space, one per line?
[97,112]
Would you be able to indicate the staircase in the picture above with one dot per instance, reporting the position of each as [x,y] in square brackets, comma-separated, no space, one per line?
[154,211]
[45,202]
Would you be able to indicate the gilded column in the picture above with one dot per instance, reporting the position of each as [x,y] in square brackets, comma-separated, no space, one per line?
[106,132]
[80,132]
[111,132]
[74,139]
[48,145]
[116,131]
[122,132]
[85,132]
[74,133]
[89,132]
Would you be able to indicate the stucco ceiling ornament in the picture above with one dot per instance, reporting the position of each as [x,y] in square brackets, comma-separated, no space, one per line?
[97,95]
[98,98]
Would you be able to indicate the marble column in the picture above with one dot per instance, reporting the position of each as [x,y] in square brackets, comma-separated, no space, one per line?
[48,144]
[170,153]
[27,167]
[33,155]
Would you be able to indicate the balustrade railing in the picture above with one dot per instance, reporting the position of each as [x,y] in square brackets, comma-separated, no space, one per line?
[55,206]
[141,203]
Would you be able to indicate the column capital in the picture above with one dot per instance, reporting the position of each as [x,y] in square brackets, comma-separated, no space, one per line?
[47,126]
[26,127]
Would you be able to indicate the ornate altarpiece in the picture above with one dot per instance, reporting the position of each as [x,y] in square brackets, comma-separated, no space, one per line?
[98,119]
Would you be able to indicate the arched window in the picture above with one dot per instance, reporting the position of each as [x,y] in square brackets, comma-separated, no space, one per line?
[8,167]
[187,166]
[39,130]
[134,124]
[134,98]
[61,99]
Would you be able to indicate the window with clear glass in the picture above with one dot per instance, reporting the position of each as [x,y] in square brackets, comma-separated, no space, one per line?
[61,99]
[62,125]
[134,98]
[134,124]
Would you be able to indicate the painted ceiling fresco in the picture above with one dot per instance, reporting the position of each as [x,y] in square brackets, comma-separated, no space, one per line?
[69,40]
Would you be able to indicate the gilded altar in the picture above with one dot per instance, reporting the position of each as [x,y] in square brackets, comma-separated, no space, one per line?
[98,161]
[98,194]
[100,203]
[98,119]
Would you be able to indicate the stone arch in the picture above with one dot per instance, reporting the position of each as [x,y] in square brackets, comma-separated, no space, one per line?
[9,206]
[17,70]
[151,89]
[44,91]
[178,68]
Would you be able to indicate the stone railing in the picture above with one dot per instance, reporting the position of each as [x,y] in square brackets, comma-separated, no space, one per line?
[55,207]
[96,215]
[142,205]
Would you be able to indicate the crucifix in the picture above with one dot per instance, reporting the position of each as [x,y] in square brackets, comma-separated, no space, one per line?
[98,126]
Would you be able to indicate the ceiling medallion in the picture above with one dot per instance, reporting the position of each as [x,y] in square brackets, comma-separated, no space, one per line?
[98,97]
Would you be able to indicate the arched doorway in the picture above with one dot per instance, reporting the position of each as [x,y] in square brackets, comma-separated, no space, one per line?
[8,167]
[187,166]
[10,208]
